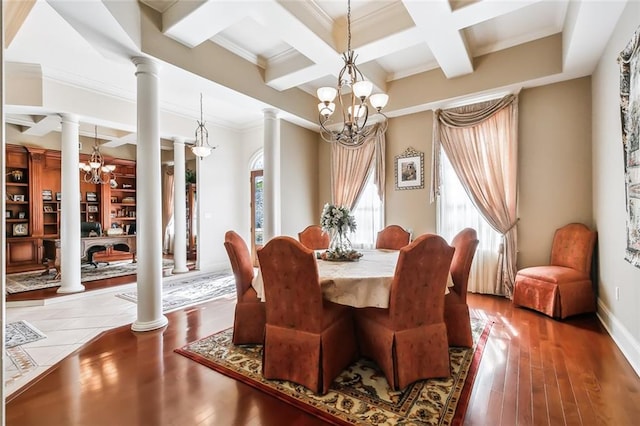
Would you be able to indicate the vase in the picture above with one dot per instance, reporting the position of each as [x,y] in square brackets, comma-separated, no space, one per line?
[339,242]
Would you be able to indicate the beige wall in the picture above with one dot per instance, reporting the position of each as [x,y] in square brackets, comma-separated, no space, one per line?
[409,208]
[554,160]
[299,178]
[619,315]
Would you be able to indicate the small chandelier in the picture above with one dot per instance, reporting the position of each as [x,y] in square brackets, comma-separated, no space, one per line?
[95,171]
[202,148]
[356,91]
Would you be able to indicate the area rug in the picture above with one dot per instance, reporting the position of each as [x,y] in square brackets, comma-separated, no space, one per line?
[20,333]
[360,395]
[178,293]
[28,281]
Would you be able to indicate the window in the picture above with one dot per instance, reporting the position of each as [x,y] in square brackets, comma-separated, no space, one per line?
[368,212]
[456,212]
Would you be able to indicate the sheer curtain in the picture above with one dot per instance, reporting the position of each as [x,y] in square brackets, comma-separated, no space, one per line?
[357,180]
[481,141]
[167,208]
[456,212]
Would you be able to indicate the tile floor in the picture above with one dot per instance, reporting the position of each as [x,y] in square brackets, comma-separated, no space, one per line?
[68,322]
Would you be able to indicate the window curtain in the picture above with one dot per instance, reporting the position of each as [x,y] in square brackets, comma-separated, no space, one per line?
[456,212]
[481,141]
[350,168]
[167,208]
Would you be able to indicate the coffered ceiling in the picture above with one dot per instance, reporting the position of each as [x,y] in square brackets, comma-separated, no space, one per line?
[246,55]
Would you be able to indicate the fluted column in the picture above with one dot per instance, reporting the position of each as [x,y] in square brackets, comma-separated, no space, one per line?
[179,208]
[271,174]
[149,199]
[70,249]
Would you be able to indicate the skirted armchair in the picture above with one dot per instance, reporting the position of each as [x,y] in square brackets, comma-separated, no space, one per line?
[562,288]
[314,237]
[392,237]
[249,320]
[408,341]
[456,310]
[308,340]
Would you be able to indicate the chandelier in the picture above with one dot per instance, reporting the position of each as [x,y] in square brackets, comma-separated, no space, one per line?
[95,171]
[202,148]
[352,91]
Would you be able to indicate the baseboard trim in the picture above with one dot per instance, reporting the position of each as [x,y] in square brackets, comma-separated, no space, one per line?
[629,347]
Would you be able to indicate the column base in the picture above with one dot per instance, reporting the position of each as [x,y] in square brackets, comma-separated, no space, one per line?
[180,270]
[70,289]
[149,325]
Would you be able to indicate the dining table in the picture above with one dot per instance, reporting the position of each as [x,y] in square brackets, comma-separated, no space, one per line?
[365,282]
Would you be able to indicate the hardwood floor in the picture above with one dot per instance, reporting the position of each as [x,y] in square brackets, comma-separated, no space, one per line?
[535,371]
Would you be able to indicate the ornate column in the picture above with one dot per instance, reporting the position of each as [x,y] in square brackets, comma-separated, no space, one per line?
[179,208]
[149,199]
[271,174]
[70,207]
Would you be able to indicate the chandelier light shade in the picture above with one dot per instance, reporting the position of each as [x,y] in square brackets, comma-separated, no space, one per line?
[95,171]
[201,148]
[352,94]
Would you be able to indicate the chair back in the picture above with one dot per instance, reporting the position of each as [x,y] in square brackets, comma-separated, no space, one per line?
[418,286]
[392,237]
[87,227]
[573,247]
[240,261]
[465,244]
[291,285]
[314,237]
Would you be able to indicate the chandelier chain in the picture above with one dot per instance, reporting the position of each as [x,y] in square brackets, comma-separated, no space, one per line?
[349,26]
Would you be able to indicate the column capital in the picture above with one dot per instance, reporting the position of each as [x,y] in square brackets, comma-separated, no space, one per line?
[270,113]
[145,65]
[178,140]
[68,117]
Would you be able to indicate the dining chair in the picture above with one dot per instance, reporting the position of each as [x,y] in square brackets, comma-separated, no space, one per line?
[308,340]
[456,310]
[562,288]
[250,311]
[408,341]
[314,237]
[392,237]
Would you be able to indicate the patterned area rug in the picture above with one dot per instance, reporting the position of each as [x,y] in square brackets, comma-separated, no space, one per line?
[189,291]
[28,281]
[20,333]
[360,395]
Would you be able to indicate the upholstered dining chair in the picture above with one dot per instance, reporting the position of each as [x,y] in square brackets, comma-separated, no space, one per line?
[308,340]
[408,341]
[392,237]
[250,311]
[456,310]
[314,237]
[562,288]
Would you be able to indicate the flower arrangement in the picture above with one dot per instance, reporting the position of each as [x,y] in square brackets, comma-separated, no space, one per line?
[337,218]
[338,222]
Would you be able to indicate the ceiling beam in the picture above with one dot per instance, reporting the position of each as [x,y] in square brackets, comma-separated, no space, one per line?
[43,125]
[446,42]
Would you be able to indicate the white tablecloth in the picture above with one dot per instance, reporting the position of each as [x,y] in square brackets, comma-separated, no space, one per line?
[363,283]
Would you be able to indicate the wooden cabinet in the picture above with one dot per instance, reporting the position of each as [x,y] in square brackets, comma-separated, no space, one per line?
[33,209]
[191,221]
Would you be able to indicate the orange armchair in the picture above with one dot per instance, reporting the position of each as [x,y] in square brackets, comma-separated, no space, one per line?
[408,341]
[456,310]
[564,287]
[250,311]
[308,340]
[314,237]
[393,237]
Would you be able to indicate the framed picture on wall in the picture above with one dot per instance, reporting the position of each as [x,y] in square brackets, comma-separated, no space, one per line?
[91,196]
[629,61]
[47,195]
[409,169]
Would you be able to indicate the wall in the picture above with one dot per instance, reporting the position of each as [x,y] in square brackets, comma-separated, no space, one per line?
[554,161]
[299,178]
[621,317]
